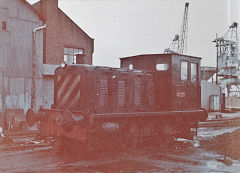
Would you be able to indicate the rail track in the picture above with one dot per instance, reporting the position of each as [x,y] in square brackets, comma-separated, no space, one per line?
[224,122]
[24,141]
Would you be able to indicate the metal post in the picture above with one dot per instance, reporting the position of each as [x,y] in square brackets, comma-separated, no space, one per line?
[217,58]
[3,97]
[3,93]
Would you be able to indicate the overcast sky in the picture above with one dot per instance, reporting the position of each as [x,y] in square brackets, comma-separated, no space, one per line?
[130,27]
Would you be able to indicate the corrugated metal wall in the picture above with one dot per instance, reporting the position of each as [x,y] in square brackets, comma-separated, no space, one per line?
[16,51]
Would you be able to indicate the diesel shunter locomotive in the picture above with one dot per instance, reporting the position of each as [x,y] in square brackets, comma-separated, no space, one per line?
[150,97]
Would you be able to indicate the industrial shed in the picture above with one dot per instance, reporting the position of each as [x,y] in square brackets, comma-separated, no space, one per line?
[20,67]
[210,96]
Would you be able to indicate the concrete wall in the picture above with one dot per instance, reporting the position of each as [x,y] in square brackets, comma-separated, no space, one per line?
[16,55]
[207,90]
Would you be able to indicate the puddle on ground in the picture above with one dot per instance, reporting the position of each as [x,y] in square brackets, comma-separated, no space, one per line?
[210,133]
[119,166]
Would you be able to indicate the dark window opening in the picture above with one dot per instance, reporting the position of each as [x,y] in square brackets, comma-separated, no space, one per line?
[70,54]
[4,26]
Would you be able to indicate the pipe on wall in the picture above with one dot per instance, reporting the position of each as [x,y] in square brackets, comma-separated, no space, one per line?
[33,100]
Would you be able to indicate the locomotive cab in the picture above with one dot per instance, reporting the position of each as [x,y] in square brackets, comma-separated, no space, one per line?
[176,80]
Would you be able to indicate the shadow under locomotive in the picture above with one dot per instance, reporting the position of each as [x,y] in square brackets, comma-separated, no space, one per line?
[150,98]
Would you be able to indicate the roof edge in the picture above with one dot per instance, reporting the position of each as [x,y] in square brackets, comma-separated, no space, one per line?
[32,8]
[134,56]
[75,23]
[37,3]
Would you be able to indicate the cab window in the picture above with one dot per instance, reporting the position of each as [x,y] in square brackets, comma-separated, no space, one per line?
[193,72]
[184,70]
[162,67]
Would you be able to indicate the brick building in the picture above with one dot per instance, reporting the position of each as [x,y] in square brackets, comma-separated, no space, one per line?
[63,39]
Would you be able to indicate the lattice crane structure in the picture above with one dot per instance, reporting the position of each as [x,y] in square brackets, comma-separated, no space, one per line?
[179,43]
[228,72]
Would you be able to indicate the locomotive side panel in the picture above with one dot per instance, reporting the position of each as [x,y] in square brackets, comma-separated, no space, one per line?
[118,91]
[101,92]
[161,65]
[195,84]
[162,83]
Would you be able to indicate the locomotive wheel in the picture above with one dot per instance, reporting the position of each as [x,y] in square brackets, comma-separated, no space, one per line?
[92,143]
[113,142]
[58,146]
[130,137]
[30,117]
[184,129]
[64,146]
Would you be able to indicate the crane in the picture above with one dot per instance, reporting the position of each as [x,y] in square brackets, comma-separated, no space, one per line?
[179,43]
[228,71]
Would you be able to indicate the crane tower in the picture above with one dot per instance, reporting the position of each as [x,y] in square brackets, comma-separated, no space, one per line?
[228,60]
[179,43]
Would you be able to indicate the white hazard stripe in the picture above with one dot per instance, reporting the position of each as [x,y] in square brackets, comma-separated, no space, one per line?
[59,78]
[70,90]
[60,90]
[74,100]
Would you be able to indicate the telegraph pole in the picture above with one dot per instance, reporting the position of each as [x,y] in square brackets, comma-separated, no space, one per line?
[217,59]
